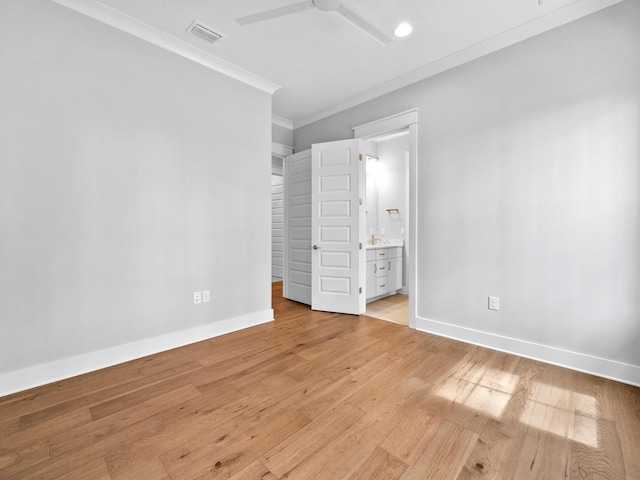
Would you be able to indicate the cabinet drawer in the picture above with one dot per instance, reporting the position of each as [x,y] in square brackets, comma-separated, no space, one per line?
[381,285]
[372,254]
[394,252]
[382,267]
[381,253]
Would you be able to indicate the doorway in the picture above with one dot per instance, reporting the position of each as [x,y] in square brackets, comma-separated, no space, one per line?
[299,245]
[324,227]
[387,217]
[277,225]
[278,154]
[387,128]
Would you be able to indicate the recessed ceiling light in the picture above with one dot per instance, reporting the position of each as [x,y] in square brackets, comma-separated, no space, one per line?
[403,30]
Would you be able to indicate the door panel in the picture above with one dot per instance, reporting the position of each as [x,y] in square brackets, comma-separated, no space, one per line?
[339,235]
[337,175]
[335,260]
[297,223]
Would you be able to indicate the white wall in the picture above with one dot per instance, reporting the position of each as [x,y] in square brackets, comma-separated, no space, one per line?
[529,189]
[393,187]
[129,178]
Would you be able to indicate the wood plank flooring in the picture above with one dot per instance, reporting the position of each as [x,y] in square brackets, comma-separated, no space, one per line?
[316,395]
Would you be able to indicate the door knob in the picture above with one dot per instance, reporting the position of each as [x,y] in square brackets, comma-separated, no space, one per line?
[316,247]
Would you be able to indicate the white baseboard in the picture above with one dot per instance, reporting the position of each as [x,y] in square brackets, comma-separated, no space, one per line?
[602,367]
[37,375]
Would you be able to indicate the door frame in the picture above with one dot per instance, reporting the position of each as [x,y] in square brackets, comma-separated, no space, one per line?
[278,153]
[391,124]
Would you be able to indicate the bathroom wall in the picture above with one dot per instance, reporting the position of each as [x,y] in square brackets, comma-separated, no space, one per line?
[393,187]
[388,187]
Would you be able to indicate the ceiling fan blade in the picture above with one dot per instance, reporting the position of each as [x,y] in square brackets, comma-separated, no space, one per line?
[276,12]
[362,24]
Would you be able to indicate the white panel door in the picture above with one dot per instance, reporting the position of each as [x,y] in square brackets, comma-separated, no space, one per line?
[297,227]
[337,234]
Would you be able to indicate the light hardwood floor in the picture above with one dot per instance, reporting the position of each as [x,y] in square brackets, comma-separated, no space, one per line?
[393,309]
[314,396]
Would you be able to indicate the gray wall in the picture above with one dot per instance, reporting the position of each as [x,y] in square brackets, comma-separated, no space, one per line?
[282,135]
[121,192]
[529,189]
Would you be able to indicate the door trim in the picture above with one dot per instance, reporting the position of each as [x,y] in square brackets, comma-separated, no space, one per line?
[281,151]
[390,124]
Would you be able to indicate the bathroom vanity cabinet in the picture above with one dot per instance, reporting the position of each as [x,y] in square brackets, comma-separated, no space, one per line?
[384,271]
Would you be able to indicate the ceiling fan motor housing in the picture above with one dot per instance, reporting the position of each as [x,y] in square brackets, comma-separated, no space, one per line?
[327,5]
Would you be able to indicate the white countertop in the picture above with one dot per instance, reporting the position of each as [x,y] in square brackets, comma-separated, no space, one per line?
[386,243]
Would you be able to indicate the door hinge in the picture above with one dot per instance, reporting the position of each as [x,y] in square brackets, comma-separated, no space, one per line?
[360,201]
[360,157]
[360,289]
[360,245]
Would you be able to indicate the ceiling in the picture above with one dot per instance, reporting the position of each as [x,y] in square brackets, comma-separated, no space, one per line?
[324,64]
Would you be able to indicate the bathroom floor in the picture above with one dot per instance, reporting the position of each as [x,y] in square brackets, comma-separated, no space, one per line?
[393,309]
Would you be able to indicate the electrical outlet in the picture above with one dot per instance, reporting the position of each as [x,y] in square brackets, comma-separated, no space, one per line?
[206,296]
[197,298]
[494,303]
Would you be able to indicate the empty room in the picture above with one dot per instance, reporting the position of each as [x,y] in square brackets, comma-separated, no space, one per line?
[320,239]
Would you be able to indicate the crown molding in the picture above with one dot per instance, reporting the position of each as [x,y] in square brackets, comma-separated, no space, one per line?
[282,122]
[123,22]
[569,13]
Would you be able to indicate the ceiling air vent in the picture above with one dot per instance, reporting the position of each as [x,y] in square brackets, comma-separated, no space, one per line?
[204,32]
